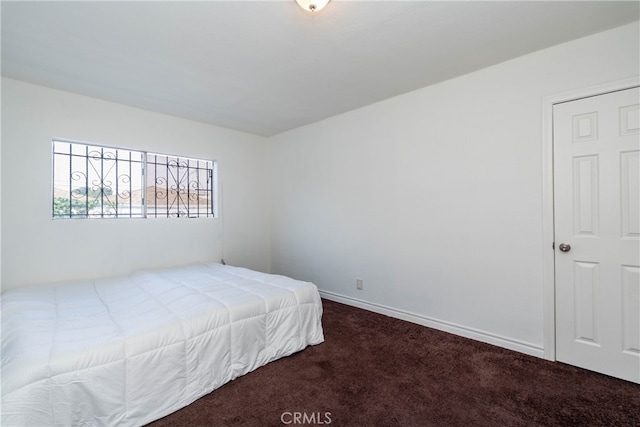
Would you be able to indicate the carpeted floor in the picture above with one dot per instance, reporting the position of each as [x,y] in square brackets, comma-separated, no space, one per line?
[374,370]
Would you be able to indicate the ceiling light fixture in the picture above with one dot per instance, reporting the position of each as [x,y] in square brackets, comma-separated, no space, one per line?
[312,5]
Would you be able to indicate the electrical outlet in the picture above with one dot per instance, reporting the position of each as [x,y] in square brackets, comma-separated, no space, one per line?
[359,284]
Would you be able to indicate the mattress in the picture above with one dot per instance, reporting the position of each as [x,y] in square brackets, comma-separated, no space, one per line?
[132,349]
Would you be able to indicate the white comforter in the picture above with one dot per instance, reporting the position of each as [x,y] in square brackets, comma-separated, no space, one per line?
[129,350]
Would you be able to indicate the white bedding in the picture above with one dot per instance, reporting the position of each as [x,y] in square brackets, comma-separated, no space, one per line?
[132,349]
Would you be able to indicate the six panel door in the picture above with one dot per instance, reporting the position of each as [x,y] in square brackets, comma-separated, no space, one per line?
[597,222]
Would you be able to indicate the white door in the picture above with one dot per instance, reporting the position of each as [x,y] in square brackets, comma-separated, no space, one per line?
[597,233]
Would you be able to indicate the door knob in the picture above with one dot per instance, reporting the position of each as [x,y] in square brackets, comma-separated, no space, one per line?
[564,247]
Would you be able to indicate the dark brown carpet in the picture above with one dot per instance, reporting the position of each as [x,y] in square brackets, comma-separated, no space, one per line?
[374,370]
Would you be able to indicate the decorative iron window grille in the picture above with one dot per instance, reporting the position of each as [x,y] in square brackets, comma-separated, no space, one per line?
[91,181]
[179,186]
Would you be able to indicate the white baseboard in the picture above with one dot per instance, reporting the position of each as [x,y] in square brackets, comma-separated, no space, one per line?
[489,338]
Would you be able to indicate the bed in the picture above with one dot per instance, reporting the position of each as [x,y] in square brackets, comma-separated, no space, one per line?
[131,349]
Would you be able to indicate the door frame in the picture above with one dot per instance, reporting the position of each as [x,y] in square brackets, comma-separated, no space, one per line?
[548,254]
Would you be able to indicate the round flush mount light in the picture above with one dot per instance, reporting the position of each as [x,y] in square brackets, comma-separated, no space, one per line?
[312,5]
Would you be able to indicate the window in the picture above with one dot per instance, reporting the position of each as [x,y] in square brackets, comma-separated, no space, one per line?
[178,186]
[92,181]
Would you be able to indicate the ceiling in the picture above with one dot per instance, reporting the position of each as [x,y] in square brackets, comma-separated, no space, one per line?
[265,67]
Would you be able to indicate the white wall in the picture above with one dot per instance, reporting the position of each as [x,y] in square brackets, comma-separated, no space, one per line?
[434,197]
[37,249]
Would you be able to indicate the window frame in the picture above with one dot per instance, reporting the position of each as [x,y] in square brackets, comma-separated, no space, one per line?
[209,210]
